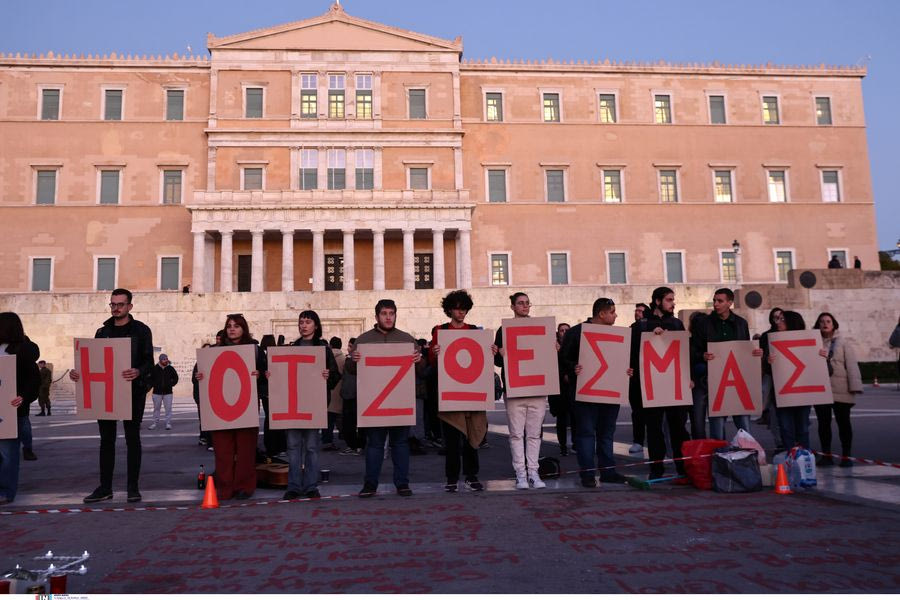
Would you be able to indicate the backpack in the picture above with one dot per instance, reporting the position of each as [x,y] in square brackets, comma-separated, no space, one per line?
[548,467]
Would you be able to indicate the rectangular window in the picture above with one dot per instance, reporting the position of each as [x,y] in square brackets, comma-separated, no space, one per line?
[723,186]
[607,108]
[556,191]
[365,169]
[617,272]
[309,169]
[729,267]
[662,108]
[668,186]
[41,269]
[784,262]
[172,186]
[335,96]
[364,96]
[770,110]
[112,107]
[418,178]
[551,108]
[334,272]
[559,268]
[496,185]
[612,185]
[416,104]
[109,187]
[494,110]
[717,110]
[169,268]
[174,105]
[674,272]
[106,274]
[499,269]
[253,178]
[253,108]
[840,255]
[777,186]
[423,271]
[245,270]
[50,105]
[46,187]
[831,189]
[823,111]
[309,96]
[337,169]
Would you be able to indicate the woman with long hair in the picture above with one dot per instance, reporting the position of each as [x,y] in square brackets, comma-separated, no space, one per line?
[776,323]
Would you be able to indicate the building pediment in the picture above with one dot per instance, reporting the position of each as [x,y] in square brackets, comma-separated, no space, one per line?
[335,30]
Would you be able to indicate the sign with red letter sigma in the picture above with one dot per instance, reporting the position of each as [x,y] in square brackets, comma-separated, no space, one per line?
[465,370]
[529,359]
[604,352]
[800,374]
[8,421]
[386,385]
[298,394]
[101,391]
[665,369]
[228,390]
[735,379]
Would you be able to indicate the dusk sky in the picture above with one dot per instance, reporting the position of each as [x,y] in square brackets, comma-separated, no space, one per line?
[795,32]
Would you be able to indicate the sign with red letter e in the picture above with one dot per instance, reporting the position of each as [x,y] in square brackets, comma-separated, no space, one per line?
[665,369]
[386,385]
[228,390]
[465,370]
[800,374]
[101,392]
[735,379]
[8,421]
[297,391]
[529,360]
[604,352]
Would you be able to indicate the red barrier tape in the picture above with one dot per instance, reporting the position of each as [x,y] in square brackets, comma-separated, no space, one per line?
[867,461]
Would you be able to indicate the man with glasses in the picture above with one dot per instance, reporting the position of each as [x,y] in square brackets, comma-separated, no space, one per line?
[122,325]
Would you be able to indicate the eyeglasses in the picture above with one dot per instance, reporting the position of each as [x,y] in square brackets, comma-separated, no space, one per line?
[118,304]
[778,318]
[234,315]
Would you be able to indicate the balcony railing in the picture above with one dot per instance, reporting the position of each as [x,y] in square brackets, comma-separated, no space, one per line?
[306,198]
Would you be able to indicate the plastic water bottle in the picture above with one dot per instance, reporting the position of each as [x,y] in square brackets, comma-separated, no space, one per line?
[201,479]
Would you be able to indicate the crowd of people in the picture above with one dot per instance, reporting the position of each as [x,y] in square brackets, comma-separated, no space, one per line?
[458,435]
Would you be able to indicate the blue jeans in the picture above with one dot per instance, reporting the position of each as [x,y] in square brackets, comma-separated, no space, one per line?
[25,432]
[794,424]
[9,468]
[717,425]
[375,437]
[303,460]
[596,426]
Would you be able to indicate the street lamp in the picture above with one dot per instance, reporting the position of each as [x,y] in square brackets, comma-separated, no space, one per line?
[736,246]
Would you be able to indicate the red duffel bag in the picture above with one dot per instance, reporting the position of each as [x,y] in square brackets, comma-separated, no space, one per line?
[698,461]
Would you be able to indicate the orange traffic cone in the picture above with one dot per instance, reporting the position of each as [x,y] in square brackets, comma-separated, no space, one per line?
[210,499]
[781,481]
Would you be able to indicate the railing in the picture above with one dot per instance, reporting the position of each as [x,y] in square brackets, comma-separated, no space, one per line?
[303,198]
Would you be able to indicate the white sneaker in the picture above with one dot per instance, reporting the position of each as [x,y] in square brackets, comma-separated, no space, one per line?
[535,480]
[153,426]
[168,426]
[521,481]
[636,449]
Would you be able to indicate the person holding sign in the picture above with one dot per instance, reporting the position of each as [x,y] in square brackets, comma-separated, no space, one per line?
[122,325]
[462,429]
[385,332]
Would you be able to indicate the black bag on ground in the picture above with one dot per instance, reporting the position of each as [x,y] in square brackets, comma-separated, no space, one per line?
[548,467]
[736,470]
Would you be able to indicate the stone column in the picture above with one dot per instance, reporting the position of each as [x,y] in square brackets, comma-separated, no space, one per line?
[377,259]
[226,275]
[349,262]
[211,153]
[409,275]
[465,259]
[198,280]
[256,262]
[437,262]
[287,260]
[318,258]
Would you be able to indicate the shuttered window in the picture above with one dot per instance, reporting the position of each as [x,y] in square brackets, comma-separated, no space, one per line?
[416,104]
[717,110]
[365,169]
[337,169]
[106,273]
[174,105]
[674,272]
[112,109]
[418,178]
[253,106]
[46,187]
[253,178]
[555,186]
[168,273]
[309,169]
[49,105]
[496,185]
[40,274]
[617,267]
[172,186]
[109,187]
[559,268]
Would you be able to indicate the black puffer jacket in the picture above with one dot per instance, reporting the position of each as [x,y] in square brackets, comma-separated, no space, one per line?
[28,375]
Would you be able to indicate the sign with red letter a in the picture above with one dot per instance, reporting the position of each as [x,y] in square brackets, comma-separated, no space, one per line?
[297,391]
[8,421]
[386,385]
[799,373]
[228,390]
[465,370]
[101,392]
[529,360]
[665,369]
[735,379]
[604,352]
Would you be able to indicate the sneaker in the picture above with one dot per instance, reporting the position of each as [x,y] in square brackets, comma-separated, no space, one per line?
[358,452]
[168,426]
[846,462]
[483,445]
[202,441]
[329,447]
[368,491]
[588,482]
[153,426]
[28,454]
[451,486]
[636,449]
[98,495]
[348,451]
[313,494]
[210,448]
[133,496]
[521,481]
[824,461]
[404,491]
[535,480]
[291,495]
[473,484]
[613,478]
[563,450]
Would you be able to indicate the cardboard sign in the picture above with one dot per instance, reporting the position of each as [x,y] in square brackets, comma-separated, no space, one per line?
[665,369]
[604,353]
[298,394]
[101,392]
[385,385]
[227,391]
[800,374]
[465,370]
[8,419]
[735,379]
[529,361]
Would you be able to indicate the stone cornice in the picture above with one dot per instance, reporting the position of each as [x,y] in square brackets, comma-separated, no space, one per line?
[106,61]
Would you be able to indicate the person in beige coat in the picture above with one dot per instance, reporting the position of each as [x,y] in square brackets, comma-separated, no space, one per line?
[846,382]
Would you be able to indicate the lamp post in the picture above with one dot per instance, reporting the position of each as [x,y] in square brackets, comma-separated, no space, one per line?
[736,246]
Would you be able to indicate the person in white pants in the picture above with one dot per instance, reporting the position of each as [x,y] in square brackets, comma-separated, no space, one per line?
[525,416]
[163,378]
